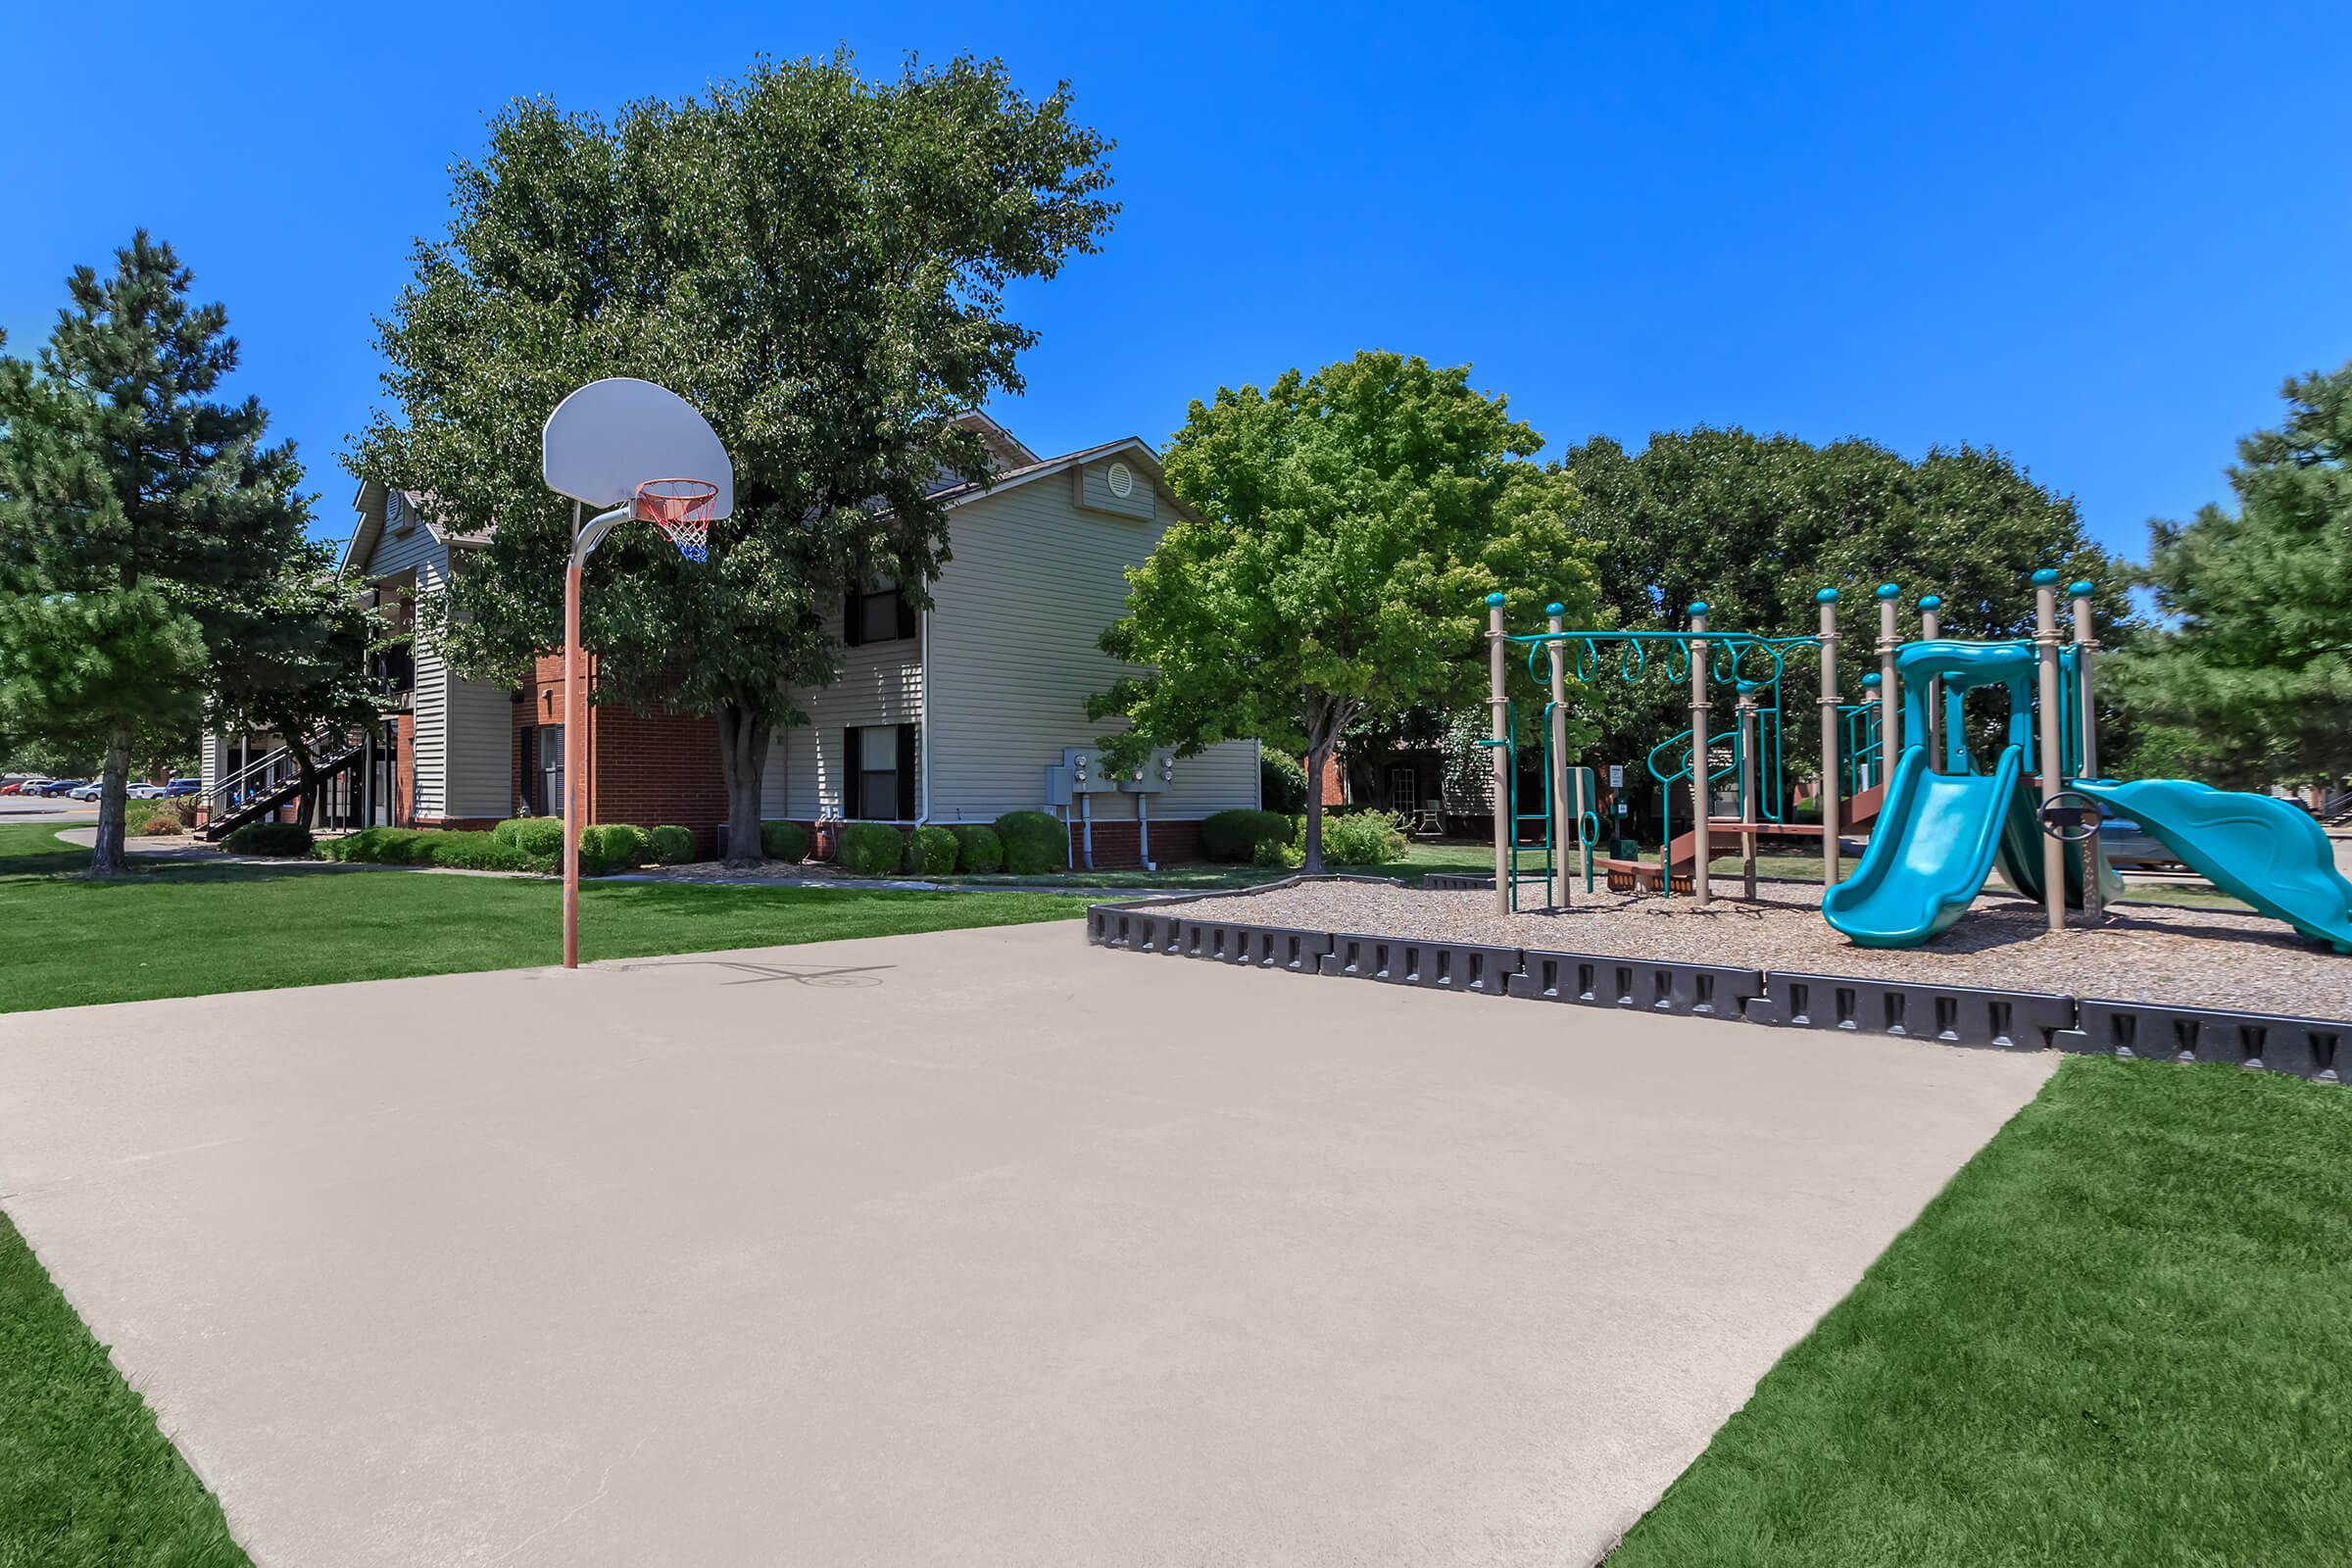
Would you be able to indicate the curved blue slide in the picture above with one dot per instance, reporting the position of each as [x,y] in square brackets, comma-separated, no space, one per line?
[2267,851]
[1928,855]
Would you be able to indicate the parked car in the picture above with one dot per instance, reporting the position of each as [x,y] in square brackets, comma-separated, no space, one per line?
[144,792]
[87,792]
[2126,843]
[61,786]
[182,786]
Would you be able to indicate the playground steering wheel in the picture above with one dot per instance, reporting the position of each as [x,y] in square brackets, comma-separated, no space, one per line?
[2070,817]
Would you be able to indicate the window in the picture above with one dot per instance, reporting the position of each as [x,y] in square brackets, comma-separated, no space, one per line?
[546,782]
[878,614]
[879,772]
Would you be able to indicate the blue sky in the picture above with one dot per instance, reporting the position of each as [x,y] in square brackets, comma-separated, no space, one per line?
[2097,238]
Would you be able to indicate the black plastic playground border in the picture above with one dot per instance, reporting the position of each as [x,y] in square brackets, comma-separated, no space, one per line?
[2317,1049]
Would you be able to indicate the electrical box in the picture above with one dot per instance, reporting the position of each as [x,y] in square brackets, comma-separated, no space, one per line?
[1058,786]
[1151,775]
[1084,764]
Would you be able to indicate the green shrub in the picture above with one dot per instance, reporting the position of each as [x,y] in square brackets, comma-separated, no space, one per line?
[477,851]
[1362,838]
[1034,842]
[784,841]
[609,846]
[671,844]
[381,845]
[152,824]
[977,847]
[285,839]
[931,852]
[541,837]
[1236,835]
[1282,781]
[872,849]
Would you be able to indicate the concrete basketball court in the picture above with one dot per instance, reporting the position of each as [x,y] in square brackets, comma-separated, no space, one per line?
[979,1248]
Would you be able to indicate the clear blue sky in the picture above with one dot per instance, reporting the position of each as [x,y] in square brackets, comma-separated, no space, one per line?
[2097,240]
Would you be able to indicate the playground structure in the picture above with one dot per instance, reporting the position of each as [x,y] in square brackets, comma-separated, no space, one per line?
[1942,819]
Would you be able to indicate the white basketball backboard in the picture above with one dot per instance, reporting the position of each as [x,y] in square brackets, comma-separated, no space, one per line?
[610,436]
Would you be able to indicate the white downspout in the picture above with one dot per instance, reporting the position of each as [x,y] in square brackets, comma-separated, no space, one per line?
[1086,819]
[1142,828]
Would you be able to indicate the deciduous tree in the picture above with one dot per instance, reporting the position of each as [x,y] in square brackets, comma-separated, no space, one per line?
[1348,526]
[820,264]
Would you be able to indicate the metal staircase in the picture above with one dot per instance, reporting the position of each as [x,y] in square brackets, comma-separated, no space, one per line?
[274,780]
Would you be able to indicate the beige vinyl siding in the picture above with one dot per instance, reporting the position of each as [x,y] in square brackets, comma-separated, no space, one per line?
[1014,653]
[880,683]
[479,766]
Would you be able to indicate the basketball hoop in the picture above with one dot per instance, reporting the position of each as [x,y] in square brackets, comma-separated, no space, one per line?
[681,508]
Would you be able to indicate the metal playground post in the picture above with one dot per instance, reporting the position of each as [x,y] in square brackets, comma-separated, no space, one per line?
[1931,626]
[1890,700]
[2087,644]
[1499,749]
[1827,599]
[1559,728]
[2051,760]
[1700,855]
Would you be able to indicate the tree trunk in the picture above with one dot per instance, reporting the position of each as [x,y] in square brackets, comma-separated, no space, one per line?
[107,857]
[1326,717]
[1316,758]
[743,757]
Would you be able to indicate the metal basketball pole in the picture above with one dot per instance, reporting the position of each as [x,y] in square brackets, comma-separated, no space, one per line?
[576,749]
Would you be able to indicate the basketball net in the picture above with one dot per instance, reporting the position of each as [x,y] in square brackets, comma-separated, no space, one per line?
[680,509]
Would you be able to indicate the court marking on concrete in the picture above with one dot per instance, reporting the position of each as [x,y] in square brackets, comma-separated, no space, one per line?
[978,1247]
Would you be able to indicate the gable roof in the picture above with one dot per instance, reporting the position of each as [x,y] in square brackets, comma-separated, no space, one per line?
[1020,466]
[369,503]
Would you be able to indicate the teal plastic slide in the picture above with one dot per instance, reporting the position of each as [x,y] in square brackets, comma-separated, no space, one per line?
[2020,858]
[1928,855]
[2267,851]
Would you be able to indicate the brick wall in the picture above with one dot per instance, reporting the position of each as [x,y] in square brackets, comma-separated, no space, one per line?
[1118,845]
[646,769]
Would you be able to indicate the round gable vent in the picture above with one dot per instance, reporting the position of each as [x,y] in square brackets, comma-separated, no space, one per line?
[1121,480]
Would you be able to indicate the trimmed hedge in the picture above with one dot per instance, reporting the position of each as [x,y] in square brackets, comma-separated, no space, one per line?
[468,849]
[609,846]
[931,852]
[784,841]
[1282,781]
[285,839]
[1034,842]
[538,836]
[872,849]
[977,847]
[153,824]
[671,844]
[1236,835]
[476,850]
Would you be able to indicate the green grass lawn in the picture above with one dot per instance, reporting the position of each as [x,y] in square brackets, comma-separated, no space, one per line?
[87,1481]
[182,929]
[1420,859]
[2117,1337]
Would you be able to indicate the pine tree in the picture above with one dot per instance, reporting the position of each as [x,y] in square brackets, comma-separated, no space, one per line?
[137,516]
[2252,683]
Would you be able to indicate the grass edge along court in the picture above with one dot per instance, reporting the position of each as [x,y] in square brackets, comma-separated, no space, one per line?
[2114,1338]
[185,929]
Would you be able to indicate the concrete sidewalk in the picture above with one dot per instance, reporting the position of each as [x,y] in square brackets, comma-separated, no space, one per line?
[980,1248]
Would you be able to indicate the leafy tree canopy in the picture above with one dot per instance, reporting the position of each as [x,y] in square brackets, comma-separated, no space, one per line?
[820,264]
[140,519]
[1348,527]
[2250,682]
[1755,525]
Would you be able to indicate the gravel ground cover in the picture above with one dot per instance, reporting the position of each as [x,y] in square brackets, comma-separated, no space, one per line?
[2143,952]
